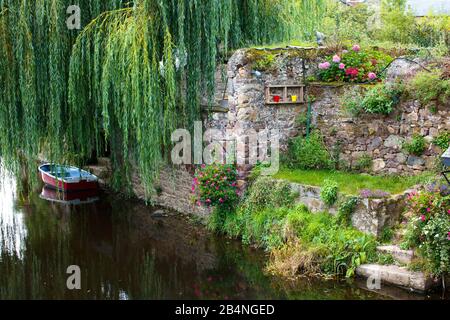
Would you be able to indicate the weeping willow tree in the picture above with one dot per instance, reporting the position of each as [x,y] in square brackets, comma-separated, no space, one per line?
[136,71]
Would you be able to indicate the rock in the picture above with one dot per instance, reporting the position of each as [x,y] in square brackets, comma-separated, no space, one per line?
[401,158]
[378,165]
[402,256]
[159,214]
[415,162]
[247,114]
[393,141]
[413,117]
[402,69]
[375,143]
[398,276]
[434,132]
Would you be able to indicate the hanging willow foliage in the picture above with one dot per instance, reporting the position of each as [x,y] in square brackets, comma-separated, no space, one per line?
[133,74]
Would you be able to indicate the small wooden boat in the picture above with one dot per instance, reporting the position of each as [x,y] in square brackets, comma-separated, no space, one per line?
[67,178]
[71,198]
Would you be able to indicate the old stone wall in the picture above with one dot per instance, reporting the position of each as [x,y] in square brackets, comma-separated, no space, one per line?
[377,136]
[370,215]
[172,188]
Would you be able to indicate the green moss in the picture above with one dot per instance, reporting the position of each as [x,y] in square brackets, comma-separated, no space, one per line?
[352,183]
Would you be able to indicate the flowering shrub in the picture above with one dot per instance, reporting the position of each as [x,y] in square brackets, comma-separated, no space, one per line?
[429,229]
[216,185]
[354,65]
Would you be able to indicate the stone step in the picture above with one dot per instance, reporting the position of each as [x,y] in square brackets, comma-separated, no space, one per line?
[399,255]
[397,276]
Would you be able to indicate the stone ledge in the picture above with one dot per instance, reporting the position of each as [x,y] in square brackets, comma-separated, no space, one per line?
[397,276]
[370,216]
[402,256]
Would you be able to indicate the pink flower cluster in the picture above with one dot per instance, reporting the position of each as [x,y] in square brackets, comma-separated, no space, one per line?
[324,66]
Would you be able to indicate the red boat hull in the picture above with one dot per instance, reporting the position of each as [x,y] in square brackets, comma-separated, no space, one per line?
[66,186]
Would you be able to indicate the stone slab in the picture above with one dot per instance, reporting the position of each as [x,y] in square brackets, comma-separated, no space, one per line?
[402,256]
[398,276]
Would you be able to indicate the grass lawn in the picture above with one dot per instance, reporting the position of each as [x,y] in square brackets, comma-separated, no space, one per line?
[353,183]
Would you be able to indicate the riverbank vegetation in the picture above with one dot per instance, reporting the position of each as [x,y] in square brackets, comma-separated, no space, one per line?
[297,240]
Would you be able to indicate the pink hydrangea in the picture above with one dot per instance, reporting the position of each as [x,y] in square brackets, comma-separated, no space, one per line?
[341,66]
[356,48]
[324,66]
[448,235]
[336,59]
[372,76]
[423,218]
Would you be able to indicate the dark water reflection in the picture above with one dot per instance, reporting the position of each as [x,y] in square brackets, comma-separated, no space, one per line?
[124,253]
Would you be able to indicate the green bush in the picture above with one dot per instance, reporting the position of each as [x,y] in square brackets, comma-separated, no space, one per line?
[430,86]
[397,22]
[417,145]
[442,140]
[308,153]
[381,99]
[264,194]
[329,192]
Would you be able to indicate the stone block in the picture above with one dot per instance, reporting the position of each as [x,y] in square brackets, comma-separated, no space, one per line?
[398,276]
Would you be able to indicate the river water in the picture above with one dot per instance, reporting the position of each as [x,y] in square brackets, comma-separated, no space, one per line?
[124,251]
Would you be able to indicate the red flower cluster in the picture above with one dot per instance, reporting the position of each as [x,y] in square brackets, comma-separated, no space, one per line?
[352,72]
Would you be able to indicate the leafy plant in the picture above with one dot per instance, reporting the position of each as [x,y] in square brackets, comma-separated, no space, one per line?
[386,235]
[442,140]
[430,86]
[308,153]
[417,145]
[329,192]
[264,62]
[346,209]
[381,99]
